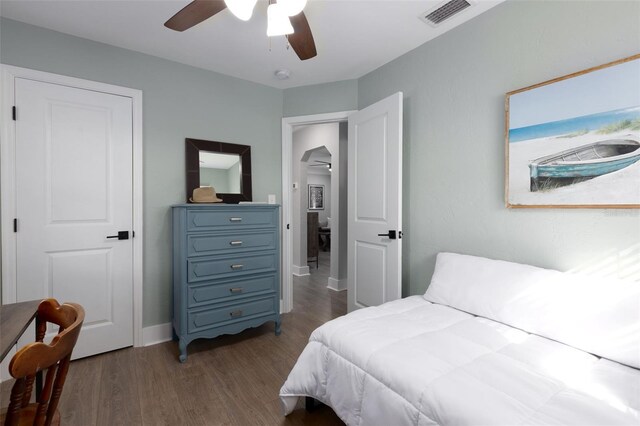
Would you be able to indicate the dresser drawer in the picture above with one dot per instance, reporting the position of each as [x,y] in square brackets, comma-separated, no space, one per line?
[204,294]
[207,268]
[236,242]
[202,220]
[227,314]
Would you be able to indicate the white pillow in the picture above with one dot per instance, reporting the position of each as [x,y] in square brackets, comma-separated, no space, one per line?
[597,315]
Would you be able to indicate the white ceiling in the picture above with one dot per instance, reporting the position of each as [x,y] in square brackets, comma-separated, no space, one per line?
[353,37]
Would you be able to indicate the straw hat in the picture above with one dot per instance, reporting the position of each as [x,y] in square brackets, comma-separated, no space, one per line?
[205,194]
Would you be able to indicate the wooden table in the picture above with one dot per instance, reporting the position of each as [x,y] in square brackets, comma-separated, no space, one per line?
[14,320]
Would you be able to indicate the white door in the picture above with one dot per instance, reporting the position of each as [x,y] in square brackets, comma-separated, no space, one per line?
[73,190]
[375,204]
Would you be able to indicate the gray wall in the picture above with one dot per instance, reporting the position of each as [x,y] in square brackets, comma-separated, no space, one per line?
[179,102]
[454,90]
[321,98]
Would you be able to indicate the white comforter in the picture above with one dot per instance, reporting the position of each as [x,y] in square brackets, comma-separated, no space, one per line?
[413,362]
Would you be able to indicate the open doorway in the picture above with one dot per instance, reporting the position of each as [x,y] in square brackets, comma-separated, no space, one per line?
[313,209]
[318,207]
[373,218]
[319,186]
[314,202]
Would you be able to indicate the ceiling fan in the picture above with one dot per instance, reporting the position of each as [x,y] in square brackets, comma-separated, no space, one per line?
[285,17]
[322,164]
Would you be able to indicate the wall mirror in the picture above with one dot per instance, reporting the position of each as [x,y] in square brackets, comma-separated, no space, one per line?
[225,166]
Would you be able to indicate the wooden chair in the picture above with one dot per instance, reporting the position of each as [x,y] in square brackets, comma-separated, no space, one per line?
[39,356]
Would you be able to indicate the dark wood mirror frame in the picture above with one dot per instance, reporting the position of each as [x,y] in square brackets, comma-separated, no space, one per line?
[193,148]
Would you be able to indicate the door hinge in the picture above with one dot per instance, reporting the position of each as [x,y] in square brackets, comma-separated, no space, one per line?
[133,234]
[287,226]
[15,224]
[13,113]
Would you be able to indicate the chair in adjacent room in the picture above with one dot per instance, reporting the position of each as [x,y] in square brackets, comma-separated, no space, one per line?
[51,358]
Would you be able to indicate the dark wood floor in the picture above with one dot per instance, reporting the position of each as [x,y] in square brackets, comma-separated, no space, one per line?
[231,380]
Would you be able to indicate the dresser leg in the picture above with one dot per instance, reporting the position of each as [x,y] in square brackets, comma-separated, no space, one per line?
[278,330]
[182,344]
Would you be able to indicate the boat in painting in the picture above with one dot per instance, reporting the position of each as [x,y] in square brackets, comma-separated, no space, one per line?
[583,163]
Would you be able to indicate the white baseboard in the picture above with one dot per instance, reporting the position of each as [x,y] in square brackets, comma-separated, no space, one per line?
[300,271]
[155,334]
[336,285]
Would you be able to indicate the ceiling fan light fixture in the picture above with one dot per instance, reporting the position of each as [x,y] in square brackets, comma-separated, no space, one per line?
[242,9]
[292,7]
[277,21]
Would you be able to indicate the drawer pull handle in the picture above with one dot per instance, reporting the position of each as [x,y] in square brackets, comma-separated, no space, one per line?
[237,266]
[236,290]
[235,314]
[235,219]
[235,243]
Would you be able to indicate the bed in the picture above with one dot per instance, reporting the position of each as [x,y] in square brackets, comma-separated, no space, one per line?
[491,342]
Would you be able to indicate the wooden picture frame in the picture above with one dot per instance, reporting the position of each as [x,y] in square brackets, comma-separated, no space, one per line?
[316,197]
[574,141]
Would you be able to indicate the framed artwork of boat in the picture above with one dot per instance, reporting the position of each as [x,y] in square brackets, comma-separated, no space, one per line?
[574,142]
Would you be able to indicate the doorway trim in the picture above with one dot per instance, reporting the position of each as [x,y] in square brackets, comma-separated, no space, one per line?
[8,183]
[287,187]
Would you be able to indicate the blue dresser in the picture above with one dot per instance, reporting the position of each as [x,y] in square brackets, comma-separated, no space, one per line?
[226,269]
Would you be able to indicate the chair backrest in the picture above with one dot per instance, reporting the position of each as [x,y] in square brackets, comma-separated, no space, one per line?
[312,234]
[39,356]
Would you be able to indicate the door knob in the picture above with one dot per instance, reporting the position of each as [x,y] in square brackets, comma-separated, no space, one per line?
[391,235]
[122,235]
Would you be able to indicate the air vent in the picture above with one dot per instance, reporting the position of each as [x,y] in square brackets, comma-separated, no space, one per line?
[442,13]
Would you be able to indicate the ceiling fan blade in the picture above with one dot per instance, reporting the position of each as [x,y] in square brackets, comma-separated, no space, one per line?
[302,40]
[194,13]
